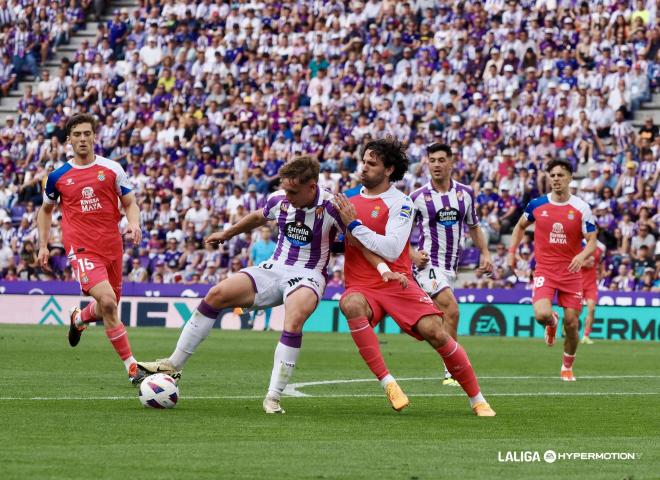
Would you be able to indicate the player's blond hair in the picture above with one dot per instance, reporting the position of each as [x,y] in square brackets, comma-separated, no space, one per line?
[301,169]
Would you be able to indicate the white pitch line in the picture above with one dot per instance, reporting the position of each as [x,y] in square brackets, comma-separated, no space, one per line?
[341,395]
[292,389]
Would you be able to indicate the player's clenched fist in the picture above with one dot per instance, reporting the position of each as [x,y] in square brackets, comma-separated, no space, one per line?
[216,238]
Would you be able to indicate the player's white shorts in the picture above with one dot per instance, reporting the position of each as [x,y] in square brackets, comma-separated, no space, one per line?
[274,282]
[434,279]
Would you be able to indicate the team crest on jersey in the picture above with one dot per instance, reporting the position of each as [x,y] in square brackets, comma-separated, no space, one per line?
[101,176]
[375,212]
[319,212]
[284,206]
[427,197]
[571,214]
[459,195]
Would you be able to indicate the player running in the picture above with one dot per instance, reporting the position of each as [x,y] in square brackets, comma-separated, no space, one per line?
[562,220]
[293,276]
[443,205]
[380,219]
[88,188]
[590,289]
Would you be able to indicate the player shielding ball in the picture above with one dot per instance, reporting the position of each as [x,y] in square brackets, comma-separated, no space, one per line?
[590,289]
[380,219]
[294,275]
[562,221]
[89,189]
[443,206]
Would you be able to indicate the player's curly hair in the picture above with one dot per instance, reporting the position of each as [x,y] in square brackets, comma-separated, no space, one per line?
[302,169]
[78,119]
[392,153]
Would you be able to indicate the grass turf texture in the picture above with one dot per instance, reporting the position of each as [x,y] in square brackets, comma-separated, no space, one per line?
[91,424]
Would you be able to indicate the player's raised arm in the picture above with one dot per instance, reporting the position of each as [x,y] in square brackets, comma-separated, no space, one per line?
[132,211]
[44,220]
[246,224]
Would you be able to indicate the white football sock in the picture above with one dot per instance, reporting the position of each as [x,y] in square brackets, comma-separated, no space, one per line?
[478,398]
[283,365]
[387,379]
[194,333]
[129,361]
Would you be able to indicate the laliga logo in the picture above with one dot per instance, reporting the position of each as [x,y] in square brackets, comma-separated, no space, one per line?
[87,192]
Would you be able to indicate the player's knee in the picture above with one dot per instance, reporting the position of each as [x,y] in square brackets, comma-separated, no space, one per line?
[216,296]
[354,306]
[544,317]
[107,305]
[570,322]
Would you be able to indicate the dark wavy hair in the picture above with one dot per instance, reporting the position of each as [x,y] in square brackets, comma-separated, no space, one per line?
[78,119]
[392,153]
[559,162]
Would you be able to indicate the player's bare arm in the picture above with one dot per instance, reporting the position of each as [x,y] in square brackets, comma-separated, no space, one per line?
[254,220]
[516,238]
[419,257]
[44,219]
[479,240]
[134,230]
[578,261]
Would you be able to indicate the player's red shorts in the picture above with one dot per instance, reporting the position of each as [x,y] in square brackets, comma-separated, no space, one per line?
[91,269]
[405,305]
[569,293]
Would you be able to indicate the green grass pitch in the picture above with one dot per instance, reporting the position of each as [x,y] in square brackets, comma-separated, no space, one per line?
[70,413]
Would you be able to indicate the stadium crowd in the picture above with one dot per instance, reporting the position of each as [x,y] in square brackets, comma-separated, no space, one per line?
[203,101]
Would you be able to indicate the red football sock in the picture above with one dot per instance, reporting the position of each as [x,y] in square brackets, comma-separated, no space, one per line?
[119,339]
[88,314]
[587,331]
[367,342]
[568,361]
[458,364]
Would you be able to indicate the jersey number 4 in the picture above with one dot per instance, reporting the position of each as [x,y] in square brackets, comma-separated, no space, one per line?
[432,274]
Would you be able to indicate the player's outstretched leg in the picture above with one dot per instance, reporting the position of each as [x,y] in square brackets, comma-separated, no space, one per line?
[357,310]
[298,306]
[236,291]
[571,340]
[446,303]
[430,327]
[115,331]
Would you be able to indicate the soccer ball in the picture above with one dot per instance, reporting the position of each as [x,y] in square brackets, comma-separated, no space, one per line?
[159,391]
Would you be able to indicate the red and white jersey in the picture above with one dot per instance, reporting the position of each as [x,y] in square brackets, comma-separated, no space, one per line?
[560,228]
[441,217]
[89,199]
[590,275]
[387,220]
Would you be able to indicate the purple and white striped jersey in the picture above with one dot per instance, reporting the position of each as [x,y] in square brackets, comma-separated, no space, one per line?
[441,217]
[305,234]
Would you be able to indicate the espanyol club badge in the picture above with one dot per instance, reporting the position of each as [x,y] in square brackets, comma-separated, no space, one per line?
[375,212]
[101,176]
[571,215]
